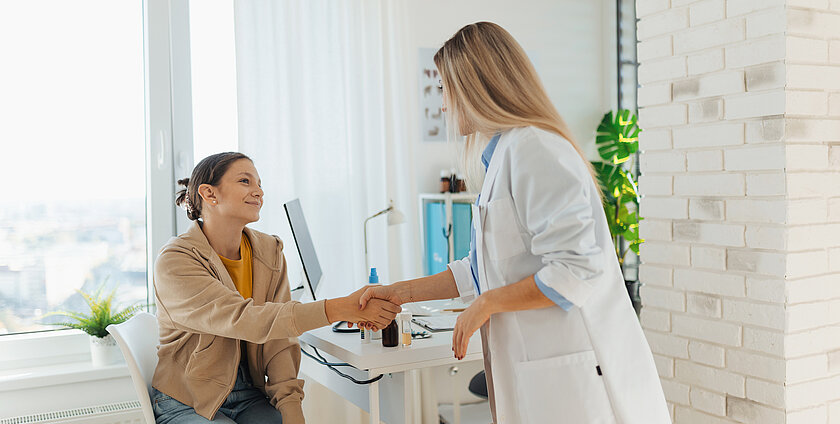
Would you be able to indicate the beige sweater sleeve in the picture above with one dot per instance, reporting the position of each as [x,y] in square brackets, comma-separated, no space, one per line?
[193,300]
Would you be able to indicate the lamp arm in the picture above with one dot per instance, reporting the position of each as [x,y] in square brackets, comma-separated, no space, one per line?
[383,211]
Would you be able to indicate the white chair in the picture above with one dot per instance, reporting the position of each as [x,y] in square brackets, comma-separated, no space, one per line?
[138,339]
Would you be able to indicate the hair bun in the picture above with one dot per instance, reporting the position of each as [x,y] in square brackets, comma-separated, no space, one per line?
[184,182]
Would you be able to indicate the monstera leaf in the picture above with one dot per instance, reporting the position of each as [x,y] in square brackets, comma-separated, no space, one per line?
[618,137]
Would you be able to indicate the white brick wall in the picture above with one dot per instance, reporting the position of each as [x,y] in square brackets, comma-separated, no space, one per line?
[740,106]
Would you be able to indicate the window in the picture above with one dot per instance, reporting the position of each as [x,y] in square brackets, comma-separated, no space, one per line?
[73,176]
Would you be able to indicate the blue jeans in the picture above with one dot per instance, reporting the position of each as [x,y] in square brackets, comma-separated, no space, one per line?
[244,405]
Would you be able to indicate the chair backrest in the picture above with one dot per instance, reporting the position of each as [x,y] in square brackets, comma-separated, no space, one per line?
[138,339]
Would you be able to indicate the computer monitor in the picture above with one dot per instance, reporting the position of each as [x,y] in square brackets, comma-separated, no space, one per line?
[305,247]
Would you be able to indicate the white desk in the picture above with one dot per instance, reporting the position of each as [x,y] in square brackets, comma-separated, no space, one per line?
[376,359]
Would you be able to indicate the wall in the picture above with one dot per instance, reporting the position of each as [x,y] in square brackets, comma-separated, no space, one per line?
[741,185]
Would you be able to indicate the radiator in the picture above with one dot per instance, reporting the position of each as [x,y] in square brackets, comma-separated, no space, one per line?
[112,413]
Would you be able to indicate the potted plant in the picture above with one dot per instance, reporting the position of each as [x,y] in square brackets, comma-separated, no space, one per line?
[103,347]
[618,140]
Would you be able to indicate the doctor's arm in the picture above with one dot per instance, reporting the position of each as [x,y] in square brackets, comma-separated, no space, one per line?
[520,296]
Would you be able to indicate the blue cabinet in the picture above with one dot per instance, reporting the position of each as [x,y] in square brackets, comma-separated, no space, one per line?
[445,229]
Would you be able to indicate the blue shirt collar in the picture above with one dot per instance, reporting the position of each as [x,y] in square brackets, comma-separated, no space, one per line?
[488,151]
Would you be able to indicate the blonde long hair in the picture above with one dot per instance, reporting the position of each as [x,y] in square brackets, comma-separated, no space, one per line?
[491,86]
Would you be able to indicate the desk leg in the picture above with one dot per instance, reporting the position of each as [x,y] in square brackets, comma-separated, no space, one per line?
[411,399]
[373,393]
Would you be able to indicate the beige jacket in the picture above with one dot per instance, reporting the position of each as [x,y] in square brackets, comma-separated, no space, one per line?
[202,319]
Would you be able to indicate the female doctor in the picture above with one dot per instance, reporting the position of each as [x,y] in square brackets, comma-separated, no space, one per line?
[560,338]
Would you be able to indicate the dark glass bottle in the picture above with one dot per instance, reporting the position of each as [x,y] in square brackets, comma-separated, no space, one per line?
[391,334]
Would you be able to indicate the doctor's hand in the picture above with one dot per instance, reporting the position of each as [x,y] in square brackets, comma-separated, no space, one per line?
[378,293]
[378,313]
[468,322]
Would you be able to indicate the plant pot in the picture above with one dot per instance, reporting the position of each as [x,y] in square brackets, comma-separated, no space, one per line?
[633,291]
[104,351]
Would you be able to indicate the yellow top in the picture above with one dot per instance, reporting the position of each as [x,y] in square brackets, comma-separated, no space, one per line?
[240,271]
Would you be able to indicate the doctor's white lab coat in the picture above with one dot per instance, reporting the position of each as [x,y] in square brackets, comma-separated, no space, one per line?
[540,212]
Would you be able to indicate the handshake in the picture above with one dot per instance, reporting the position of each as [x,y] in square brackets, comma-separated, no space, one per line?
[372,307]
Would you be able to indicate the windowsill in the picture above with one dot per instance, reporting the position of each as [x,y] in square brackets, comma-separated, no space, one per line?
[51,375]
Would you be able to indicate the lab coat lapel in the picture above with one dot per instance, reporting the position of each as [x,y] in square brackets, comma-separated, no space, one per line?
[479,217]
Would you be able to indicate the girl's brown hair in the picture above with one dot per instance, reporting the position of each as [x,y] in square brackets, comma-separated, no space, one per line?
[209,171]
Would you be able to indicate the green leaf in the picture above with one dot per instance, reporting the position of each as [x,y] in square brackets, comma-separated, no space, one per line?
[617,137]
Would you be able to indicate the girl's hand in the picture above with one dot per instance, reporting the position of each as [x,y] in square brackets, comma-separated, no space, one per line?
[468,322]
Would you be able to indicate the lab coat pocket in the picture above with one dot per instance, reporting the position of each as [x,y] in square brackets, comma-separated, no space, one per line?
[566,388]
[501,229]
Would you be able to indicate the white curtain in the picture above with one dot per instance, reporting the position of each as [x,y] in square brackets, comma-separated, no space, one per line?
[323,113]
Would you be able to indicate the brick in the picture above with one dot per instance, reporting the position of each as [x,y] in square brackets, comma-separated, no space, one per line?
[675,392]
[670,161]
[818,414]
[714,331]
[664,366]
[806,50]
[664,207]
[706,111]
[807,316]
[713,258]
[705,61]
[806,103]
[656,275]
[765,130]
[814,4]
[654,94]
[648,7]
[766,263]
[741,7]
[813,77]
[833,360]
[656,185]
[756,211]
[713,35]
[662,23]
[813,237]
[662,116]
[655,140]
[714,135]
[754,105]
[834,407]
[767,22]
[705,12]
[812,23]
[667,344]
[834,260]
[723,284]
[709,378]
[755,158]
[807,130]
[834,209]
[710,185]
[706,209]
[747,411]
[717,84]
[692,416]
[700,161]
[804,264]
[772,184]
[834,52]
[703,305]
[812,289]
[657,320]
[768,315]
[812,185]
[834,157]
[766,237]
[766,289]
[705,353]
[665,253]
[766,341]
[806,158]
[833,105]
[654,48]
[812,393]
[766,76]
[755,52]
[709,402]
[771,394]
[806,211]
[709,233]
[661,70]
[655,230]
[812,367]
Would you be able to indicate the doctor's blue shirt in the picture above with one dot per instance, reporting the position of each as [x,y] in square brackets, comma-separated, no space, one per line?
[550,293]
